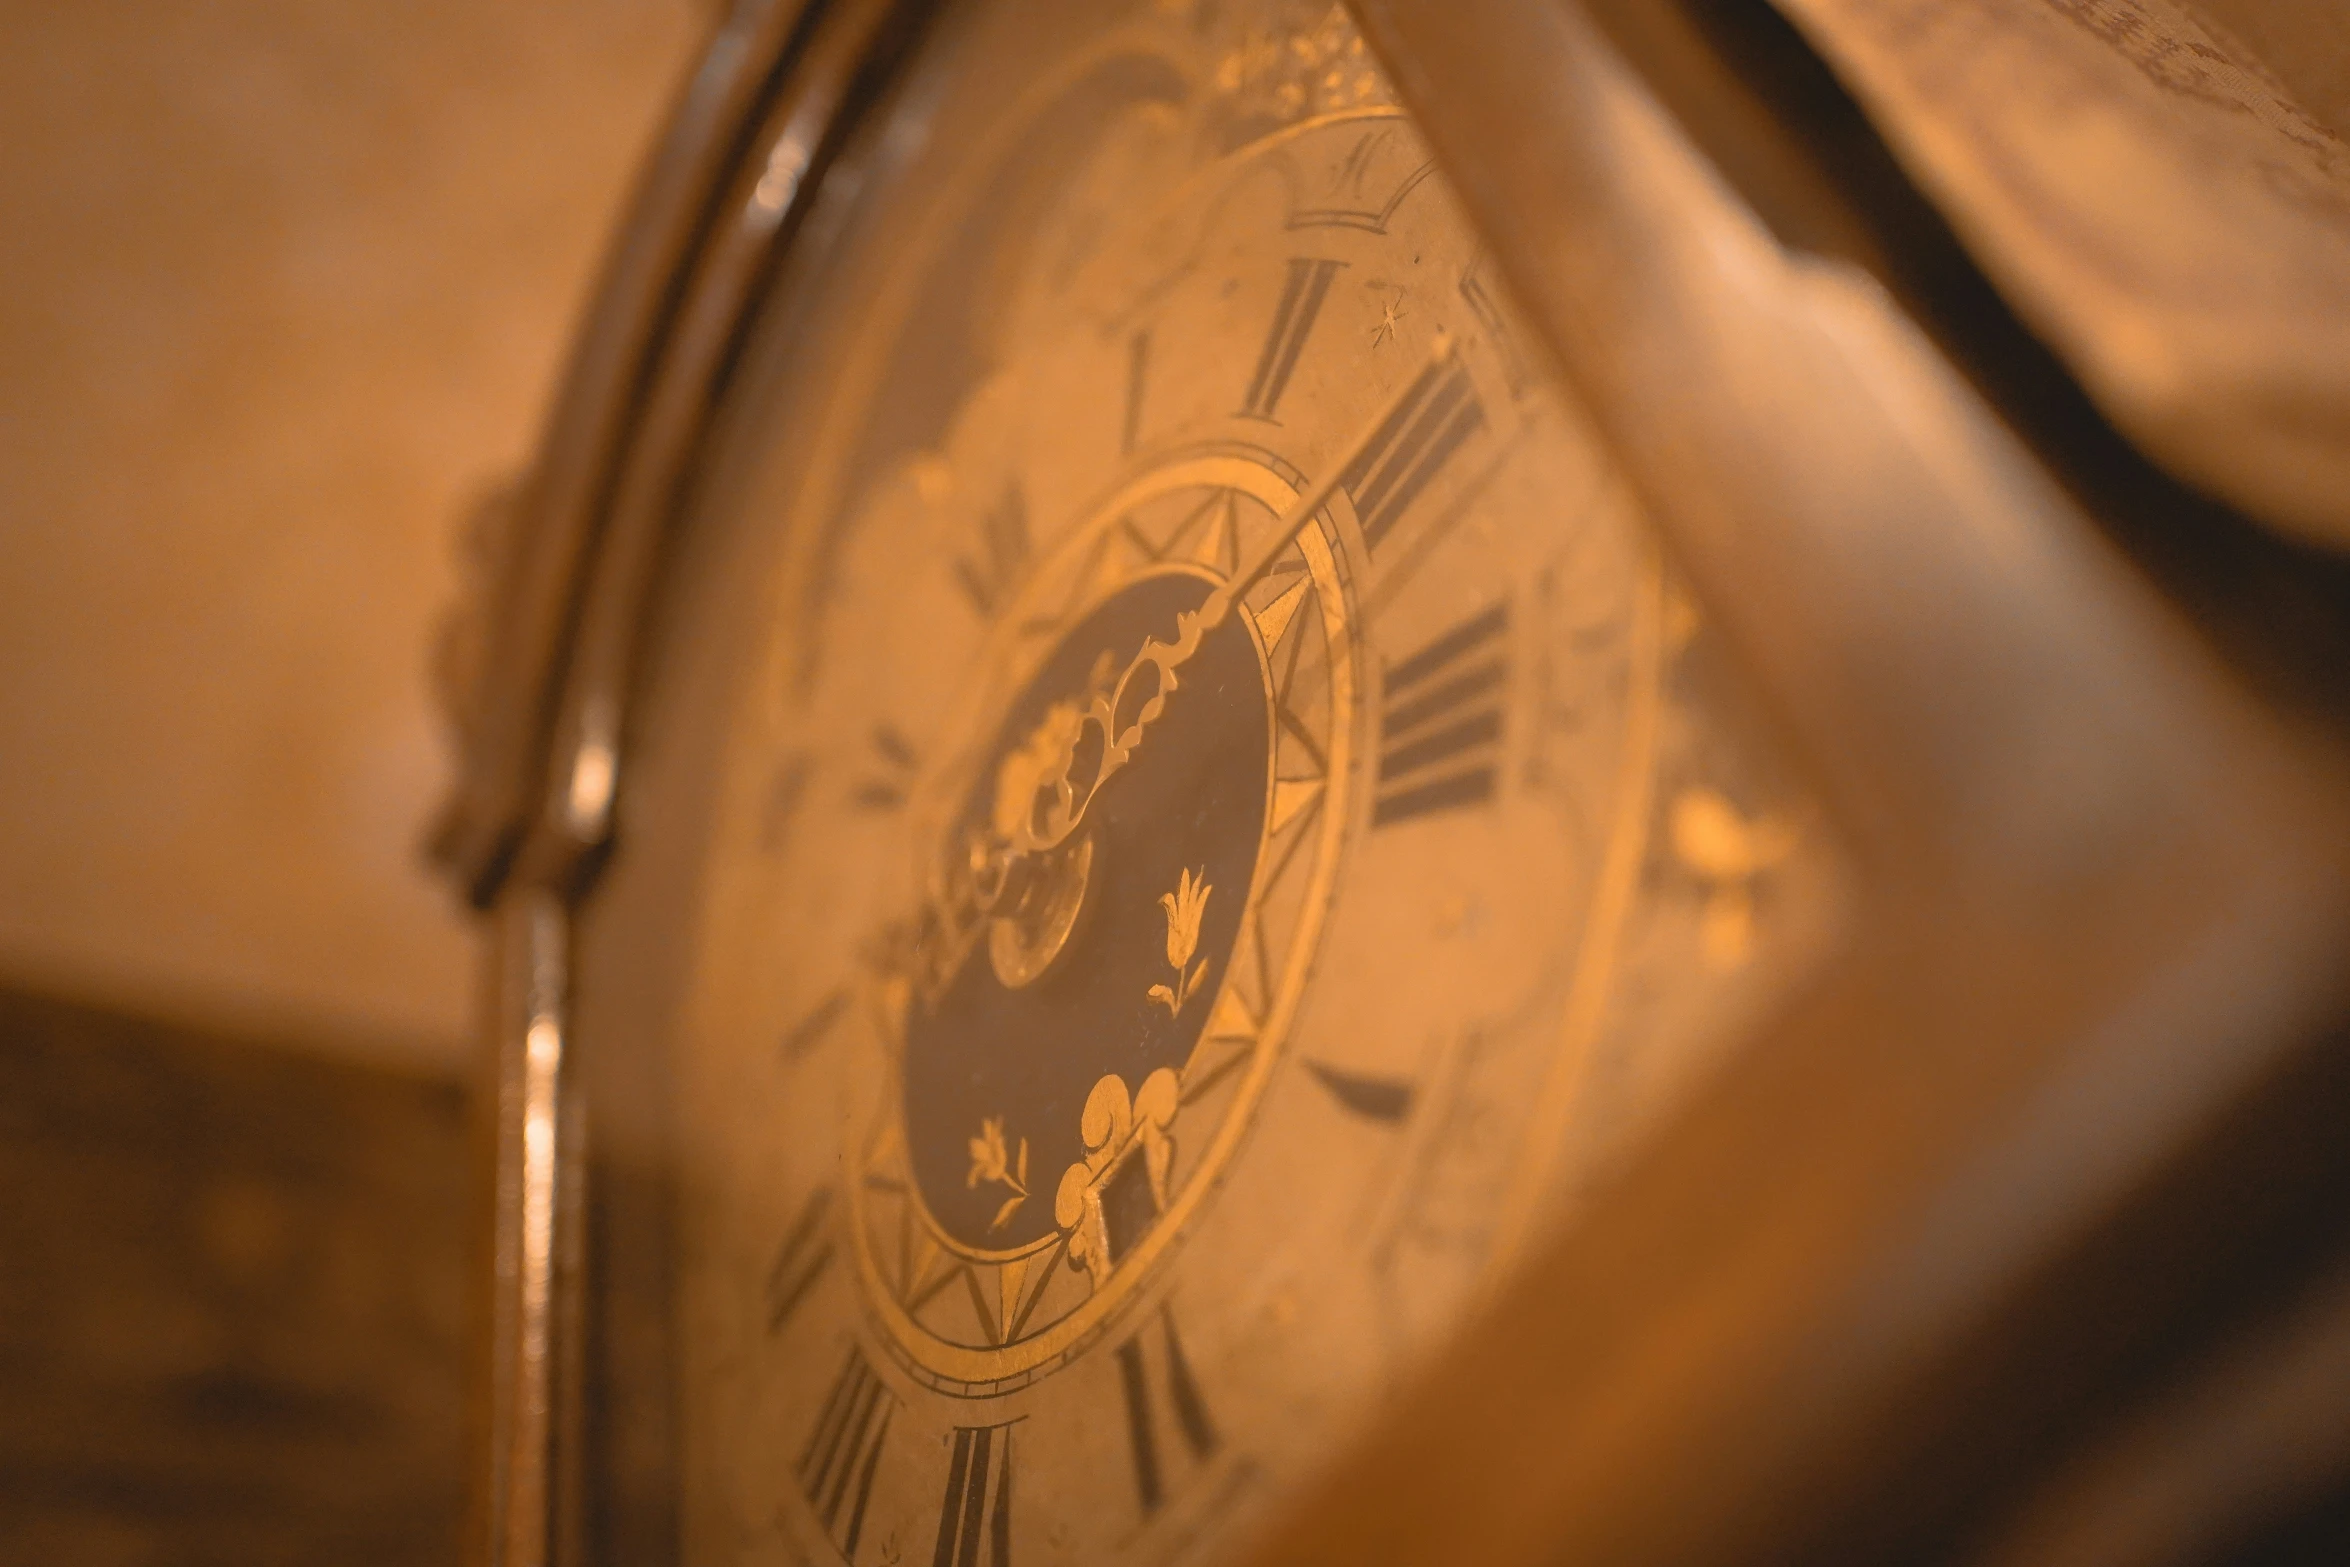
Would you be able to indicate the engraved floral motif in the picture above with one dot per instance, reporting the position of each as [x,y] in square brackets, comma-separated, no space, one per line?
[991,1162]
[1116,1128]
[1186,906]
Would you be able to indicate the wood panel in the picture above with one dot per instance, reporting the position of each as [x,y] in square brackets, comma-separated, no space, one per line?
[232,1300]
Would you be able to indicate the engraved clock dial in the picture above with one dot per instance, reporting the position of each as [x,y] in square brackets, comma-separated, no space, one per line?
[1227,824]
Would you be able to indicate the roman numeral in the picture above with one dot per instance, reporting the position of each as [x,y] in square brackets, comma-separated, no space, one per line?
[1191,1425]
[988,578]
[982,1465]
[1138,366]
[1373,1098]
[835,1470]
[1437,413]
[889,772]
[1440,730]
[1356,164]
[800,1261]
[812,1029]
[1302,292]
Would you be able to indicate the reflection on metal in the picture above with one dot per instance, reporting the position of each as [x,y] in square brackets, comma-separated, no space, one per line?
[529,1234]
[779,181]
[594,767]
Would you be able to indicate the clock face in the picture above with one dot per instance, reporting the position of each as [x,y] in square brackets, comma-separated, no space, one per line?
[1222,821]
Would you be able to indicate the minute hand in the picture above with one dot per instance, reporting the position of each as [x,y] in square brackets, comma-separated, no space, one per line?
[1120,715]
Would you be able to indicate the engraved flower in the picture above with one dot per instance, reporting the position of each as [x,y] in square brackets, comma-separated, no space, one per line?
[1186,906]
[991,1161]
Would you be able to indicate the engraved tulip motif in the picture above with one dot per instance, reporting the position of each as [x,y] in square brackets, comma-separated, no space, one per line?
[1186,906]
[991,1161]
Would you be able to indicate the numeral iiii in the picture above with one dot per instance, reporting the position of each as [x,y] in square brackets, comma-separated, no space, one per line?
[1302,293]
[1440,729]
[835,1470]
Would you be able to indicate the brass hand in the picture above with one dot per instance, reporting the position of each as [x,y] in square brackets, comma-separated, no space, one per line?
[999,874]
[1089,767]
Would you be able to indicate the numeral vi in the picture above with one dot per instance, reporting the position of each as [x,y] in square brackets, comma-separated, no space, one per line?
[978,1505]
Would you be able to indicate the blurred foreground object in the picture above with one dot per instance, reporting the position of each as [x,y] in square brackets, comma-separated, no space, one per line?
[1497,780]
[231,1300]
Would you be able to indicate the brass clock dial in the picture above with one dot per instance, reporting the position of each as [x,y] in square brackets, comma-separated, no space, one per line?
[1228,824]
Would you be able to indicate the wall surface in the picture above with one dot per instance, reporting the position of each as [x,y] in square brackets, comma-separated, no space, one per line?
[287,286]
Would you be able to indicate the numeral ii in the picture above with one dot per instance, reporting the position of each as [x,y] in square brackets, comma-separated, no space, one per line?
[1302,292]
[1440,723]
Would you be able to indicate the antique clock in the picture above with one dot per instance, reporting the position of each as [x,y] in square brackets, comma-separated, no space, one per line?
[1472,781]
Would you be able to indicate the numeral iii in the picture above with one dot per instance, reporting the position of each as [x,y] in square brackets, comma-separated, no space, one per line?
[1440,728]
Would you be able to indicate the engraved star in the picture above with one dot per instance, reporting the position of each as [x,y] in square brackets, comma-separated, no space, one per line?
[1390,313]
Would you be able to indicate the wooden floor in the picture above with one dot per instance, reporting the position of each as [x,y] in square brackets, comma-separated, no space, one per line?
[232,1301]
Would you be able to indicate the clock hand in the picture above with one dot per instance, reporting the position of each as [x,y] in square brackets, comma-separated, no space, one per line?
[1080,784]
[996,872]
